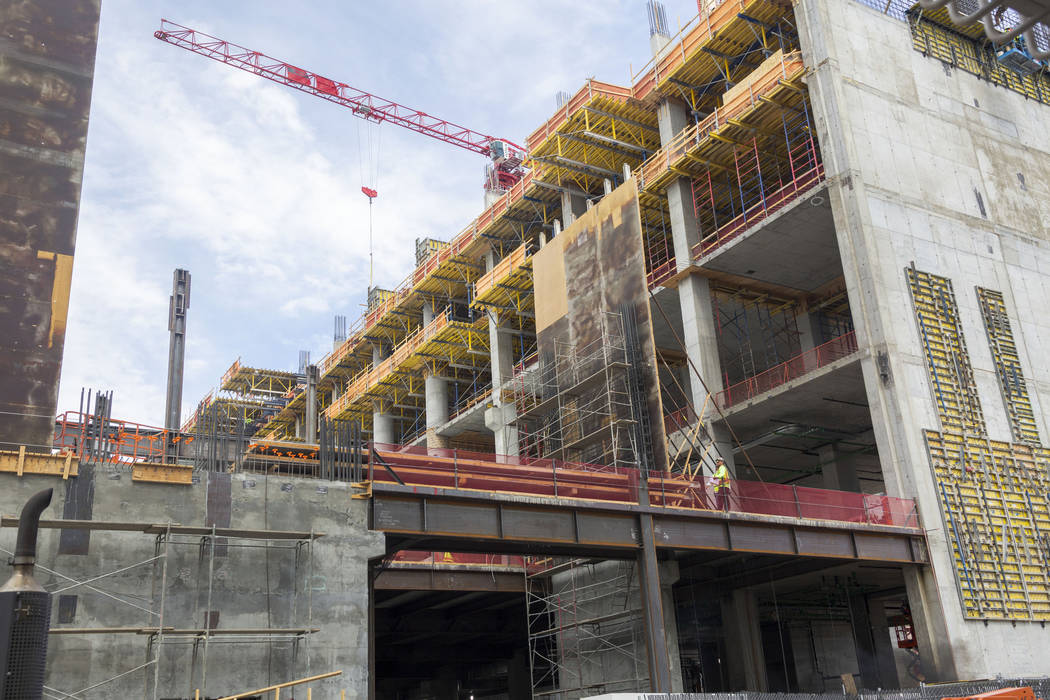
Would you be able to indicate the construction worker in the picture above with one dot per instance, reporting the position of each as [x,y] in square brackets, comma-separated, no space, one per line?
[722,485]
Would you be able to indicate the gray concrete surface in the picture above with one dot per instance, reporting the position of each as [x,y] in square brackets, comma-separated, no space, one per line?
[909,145]
[253,587]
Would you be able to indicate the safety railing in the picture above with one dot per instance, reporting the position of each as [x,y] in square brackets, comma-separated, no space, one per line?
[788,67]
[95,438]
[366,379]
[768,205]
[593,88]
[794,368]
[486,473]
[501,270]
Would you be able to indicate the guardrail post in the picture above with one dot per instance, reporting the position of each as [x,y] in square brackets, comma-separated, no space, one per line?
[798,504]
[455,468]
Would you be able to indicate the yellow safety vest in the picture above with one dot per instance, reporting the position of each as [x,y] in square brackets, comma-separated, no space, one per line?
[721,478]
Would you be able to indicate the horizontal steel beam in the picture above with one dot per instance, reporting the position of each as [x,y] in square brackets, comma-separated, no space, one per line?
[430,578]
[449,520]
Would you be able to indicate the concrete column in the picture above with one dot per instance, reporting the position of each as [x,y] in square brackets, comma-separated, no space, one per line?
[699,329]
[436,393]
[382,426]
[311,403]
[809,337]
[745,660]
[382,421]
[931,632]
[701,346]
[501,418]
[886,665]
[436,390]
[572,206]
[809,333]
[838,468]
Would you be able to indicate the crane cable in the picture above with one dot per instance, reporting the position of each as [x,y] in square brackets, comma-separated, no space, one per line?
[369,177]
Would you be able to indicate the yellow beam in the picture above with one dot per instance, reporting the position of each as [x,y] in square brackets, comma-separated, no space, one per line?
[20,462]
[162,473]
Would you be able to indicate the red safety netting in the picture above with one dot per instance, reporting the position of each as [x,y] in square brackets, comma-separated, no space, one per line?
[801,364]
[452,469]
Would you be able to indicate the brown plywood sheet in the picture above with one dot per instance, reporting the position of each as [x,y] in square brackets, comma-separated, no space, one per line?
[47,58]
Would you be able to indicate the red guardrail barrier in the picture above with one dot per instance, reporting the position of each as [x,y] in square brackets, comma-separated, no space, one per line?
[454,469]
[818,357]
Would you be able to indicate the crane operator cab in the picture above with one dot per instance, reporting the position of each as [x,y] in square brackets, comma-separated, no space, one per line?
[506,166]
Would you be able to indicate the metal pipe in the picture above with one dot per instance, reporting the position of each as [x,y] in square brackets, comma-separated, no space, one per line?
[29,525]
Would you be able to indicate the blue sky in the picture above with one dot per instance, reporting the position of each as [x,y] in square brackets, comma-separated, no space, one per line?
[255,188]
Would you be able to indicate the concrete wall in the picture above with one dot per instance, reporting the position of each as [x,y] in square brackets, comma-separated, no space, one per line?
[253,587]
[907,143]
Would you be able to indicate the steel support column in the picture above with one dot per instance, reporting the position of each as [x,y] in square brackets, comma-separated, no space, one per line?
[653,609]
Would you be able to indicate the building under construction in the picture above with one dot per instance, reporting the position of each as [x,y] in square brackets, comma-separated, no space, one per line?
[810,239]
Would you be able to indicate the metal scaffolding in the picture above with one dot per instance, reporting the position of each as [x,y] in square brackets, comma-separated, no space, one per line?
[575,406]
[161,627]
[586,629]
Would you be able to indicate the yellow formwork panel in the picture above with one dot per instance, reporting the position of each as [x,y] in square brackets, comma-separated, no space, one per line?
[508,285]
[940,16]
[1008,366]
[970,55]
[590,137]
[253,380]
[703,50]
[947,360]
[710,143]
[994,502]
[441,342]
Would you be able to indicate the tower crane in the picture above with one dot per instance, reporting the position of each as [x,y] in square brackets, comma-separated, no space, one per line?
[506,157]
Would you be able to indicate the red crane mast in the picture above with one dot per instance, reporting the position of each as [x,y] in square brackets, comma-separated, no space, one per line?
[507,157]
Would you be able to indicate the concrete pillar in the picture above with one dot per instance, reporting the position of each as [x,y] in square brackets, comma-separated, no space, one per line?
[311,403]
[931,632]
[885,665]
[699,329]
[519,678]
[501,418]
[382,426]
[382,421]
[701,346]
[745,660]
[838,468]
[436,393]
[572,206]
[436,390]
[809,333]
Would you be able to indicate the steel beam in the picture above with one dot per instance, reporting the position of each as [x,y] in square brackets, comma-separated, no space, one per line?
[449,520]
[653,608]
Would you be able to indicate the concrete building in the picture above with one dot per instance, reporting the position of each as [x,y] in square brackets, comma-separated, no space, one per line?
[809,239]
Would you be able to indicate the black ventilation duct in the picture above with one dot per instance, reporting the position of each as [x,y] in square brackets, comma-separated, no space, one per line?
[25,613]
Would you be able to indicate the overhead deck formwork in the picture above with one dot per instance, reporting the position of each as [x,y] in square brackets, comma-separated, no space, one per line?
[718,47]
[590,137]
[397,381]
